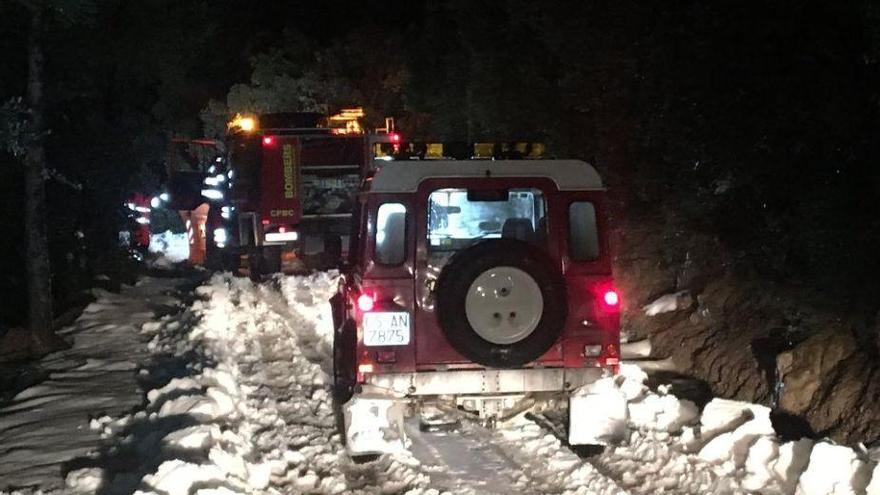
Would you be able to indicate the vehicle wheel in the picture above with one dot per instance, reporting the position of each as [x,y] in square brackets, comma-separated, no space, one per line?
[230,260]
[255,264]
[333,248]
[501,303]
[344,372]
[271,260]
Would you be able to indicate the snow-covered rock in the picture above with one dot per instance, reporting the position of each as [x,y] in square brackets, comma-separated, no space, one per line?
[834,470]
[662,412]
[87,480]
[177,477]
[668,303]
[750,422]
[597,414]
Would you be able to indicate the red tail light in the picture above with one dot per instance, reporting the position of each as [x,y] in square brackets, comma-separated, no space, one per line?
[394,137]
[268,140]
[365,302]
[607,298]
[611,298]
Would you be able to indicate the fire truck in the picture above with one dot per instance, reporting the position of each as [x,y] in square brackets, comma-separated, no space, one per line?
[278,194]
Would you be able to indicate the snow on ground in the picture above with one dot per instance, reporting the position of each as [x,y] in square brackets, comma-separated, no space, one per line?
[61,419]
[237,400]
[170,247]
[252,413]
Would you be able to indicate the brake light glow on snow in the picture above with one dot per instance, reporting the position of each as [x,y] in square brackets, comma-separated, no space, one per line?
[365,302]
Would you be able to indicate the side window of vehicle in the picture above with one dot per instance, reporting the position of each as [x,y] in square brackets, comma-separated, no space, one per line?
[583,236]
[391,234]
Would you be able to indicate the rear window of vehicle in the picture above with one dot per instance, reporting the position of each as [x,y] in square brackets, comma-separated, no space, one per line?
[458,218]
[391,234]
[583,236]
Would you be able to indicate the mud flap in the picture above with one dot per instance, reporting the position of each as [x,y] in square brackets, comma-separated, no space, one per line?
[374,425]
[597,414]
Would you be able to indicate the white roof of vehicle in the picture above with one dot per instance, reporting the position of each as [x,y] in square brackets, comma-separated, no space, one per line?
[405,176]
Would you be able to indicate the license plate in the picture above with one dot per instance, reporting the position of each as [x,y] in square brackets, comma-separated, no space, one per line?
[386,328]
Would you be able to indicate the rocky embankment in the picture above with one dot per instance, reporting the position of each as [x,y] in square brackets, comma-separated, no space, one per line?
[750,339]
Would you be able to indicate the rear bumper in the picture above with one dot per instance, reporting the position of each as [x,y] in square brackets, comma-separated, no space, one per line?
[489,381]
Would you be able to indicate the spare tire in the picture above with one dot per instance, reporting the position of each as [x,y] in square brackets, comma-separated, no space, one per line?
[501,303]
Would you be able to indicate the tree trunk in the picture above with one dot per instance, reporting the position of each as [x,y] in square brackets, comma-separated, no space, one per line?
[39,275]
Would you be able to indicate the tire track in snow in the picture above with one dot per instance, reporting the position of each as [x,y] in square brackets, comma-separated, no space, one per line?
[464,462]
[302,304]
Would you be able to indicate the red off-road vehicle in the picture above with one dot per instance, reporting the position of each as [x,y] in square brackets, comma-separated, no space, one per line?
[483,286]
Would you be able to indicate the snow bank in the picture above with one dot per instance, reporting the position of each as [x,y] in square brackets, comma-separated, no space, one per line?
[254,412]
[834,470]
[731,447]
[598,414]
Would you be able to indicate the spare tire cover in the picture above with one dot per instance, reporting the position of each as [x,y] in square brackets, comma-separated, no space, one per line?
[501,303]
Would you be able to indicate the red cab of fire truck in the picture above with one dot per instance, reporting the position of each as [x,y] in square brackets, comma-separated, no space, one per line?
[292,182]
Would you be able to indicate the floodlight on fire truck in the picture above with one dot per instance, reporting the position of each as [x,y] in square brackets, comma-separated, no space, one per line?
[215,181]
[243,123]
[164,197]
[155,202]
